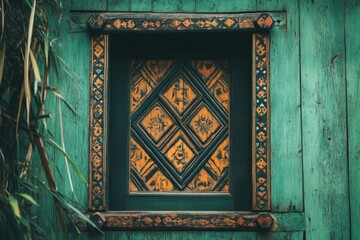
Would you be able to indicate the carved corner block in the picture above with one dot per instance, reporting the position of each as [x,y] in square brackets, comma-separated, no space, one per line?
[96,22]
[264,221]
[265,21]
[98,219]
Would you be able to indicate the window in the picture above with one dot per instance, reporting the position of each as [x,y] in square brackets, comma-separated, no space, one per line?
[192,134]
[178,121]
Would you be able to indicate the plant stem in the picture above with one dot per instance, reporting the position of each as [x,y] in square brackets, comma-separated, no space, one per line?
[50,178]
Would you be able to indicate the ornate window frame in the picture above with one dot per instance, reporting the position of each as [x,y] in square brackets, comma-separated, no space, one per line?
[101,26]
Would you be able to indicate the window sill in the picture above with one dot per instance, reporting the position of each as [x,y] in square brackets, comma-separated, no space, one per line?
[182,220]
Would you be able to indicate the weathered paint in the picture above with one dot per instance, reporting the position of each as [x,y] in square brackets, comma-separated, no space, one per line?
[314,110]
[324,119]
[352,38]
[285,134]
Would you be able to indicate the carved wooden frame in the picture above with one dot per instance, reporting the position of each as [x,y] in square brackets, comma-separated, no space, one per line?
[103,24]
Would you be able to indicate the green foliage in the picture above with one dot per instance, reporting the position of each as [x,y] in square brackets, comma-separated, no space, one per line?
[26,57]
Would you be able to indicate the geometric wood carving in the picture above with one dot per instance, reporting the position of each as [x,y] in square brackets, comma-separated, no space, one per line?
[261,120]
[114,22]
[250,221]
[98,89]
[179,143]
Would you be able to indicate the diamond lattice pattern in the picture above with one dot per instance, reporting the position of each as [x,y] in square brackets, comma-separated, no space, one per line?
[179,126]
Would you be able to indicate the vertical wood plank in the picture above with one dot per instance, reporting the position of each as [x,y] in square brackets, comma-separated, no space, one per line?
[285,123]
[225,6]
[141,5]
[173,6]
[353,110]
[130,5]
[324,123]
[115,5]
[76,132]
[74,86]
[73,83]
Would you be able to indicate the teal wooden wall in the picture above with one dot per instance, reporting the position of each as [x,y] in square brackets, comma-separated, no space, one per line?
[315,72]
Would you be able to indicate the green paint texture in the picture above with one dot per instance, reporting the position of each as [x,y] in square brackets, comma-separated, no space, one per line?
[323,89]
[352,38]
[315,114]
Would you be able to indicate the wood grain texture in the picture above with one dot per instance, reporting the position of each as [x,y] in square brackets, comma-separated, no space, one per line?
[88,5]
[73,83]
[173,6]
[73,88]
[324,122]
[286,152]
[353,110]
[225,6]
[130,5]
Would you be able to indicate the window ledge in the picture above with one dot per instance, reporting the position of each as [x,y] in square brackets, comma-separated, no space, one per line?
[180,220]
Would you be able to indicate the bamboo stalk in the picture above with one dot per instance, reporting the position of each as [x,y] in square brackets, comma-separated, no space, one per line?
[50,178]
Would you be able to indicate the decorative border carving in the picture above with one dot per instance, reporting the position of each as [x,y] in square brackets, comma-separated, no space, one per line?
[166,22]
[98,90]
[183,220]
[260,136]
[261,123]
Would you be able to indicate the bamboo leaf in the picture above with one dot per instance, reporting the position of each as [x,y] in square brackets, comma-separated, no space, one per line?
[67,69]
[21,98]
[74,209]
[46,69]
[58,94]
[15,206]
[63,147]
[2,40]
[35,70]
[26,63]
[29,198]
[46,50]
[72,163]
[28,185]
[2,59]
[2,19]
[26,163]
